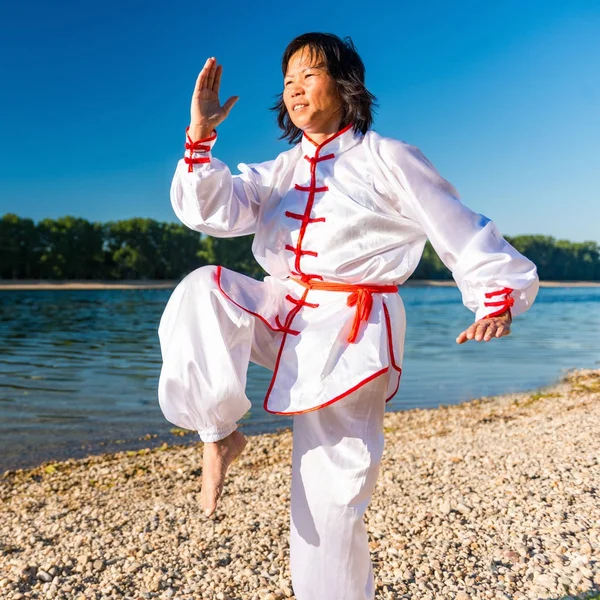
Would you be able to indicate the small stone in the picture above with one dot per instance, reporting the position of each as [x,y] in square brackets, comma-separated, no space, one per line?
[44,576]
[546,581]
[463,509]
[98,565]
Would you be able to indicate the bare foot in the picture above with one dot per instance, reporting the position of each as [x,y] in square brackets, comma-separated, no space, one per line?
[217,458]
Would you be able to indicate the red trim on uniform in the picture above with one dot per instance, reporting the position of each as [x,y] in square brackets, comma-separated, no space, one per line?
[313,160]
[211,138]
[306,188]
[306,219]
[396,390]
[197,146]
[353,388]
[284,329]
[340,132]
[287,324]
[388,324]
[300,252]
[360,296]
[292,215]
[505,305]
[346,393]
[499,292]
[294,301]
[195,161]
[306,277]
[218,280]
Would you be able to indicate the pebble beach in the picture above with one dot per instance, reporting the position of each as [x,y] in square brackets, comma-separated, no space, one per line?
[493,498]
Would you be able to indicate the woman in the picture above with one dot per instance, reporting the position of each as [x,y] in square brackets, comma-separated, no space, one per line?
[340,221]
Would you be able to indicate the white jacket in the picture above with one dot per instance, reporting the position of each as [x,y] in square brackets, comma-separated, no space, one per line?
[355,210]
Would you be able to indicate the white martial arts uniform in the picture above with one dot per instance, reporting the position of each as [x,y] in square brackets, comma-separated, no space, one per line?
[354,211]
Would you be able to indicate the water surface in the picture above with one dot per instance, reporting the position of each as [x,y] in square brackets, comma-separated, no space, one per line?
[79,369]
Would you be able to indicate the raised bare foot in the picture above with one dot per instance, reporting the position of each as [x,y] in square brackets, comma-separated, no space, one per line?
[217,458]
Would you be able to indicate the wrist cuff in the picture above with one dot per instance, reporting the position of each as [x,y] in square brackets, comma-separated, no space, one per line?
[198,152]
[498,302]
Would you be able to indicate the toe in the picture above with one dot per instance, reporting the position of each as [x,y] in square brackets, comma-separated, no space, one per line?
[209,498]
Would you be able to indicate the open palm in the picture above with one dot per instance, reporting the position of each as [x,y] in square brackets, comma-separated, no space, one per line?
[206,111]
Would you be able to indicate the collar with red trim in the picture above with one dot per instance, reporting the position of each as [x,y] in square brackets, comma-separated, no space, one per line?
[339,142]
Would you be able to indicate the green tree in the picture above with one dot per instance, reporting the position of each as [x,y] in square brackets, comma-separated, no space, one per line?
[19,248]
[232,253]
[71,248]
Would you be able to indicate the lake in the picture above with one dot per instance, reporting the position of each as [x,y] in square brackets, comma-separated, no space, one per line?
[79,369]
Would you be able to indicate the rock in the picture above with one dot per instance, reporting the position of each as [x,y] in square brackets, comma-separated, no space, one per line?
[546,581]
[98,565]
[44,576]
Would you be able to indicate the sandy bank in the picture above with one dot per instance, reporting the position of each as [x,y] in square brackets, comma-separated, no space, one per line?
[493,498]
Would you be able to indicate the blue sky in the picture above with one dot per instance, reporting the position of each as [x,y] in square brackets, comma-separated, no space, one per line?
[503,97]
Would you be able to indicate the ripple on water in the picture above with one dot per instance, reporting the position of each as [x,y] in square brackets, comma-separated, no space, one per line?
[81,367]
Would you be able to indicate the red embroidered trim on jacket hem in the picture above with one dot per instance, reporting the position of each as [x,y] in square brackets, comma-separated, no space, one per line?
[392,364]
[346,393]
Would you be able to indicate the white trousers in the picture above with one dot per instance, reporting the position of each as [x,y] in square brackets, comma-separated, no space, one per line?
[335,463]
[207,342]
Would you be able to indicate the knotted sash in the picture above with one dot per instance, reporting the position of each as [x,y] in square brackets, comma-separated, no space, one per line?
[360,296]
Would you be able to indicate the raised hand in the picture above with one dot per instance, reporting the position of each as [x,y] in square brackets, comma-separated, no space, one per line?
[486,329]
[206,111]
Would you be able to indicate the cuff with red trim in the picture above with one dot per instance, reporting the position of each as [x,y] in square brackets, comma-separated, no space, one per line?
[198,152]
[495,303]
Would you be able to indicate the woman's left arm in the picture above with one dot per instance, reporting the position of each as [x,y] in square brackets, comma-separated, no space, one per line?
[496,282]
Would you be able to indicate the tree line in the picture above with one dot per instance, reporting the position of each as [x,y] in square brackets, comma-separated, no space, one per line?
[74,248]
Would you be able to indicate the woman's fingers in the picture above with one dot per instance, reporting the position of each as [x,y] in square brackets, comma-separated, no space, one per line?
[481,330]
[462,338]
[201,81]
[490,331]
[503,330]
[217,81]
[484,331]
[210,80]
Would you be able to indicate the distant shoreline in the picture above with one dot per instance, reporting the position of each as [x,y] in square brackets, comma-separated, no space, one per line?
[30,284]
[22,285]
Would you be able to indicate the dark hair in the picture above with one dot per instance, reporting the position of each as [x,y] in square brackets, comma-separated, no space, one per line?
[347,70]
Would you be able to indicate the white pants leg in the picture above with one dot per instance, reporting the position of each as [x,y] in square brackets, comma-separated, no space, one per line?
[336,456]
[207,342]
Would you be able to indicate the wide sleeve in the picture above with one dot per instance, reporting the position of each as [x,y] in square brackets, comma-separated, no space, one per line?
[207,197]
[491,275]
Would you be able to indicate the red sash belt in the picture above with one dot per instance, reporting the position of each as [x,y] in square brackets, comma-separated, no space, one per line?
[360,296]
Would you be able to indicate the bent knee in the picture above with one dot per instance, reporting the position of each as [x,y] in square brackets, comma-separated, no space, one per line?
[203,278]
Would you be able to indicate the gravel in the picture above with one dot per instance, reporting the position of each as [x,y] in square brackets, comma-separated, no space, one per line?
[493,498]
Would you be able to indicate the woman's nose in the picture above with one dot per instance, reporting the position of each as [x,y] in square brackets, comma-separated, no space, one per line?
[296,90]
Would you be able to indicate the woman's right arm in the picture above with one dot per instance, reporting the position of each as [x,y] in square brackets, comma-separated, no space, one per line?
[204,194]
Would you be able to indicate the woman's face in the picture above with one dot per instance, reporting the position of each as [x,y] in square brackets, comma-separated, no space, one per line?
[310,95]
